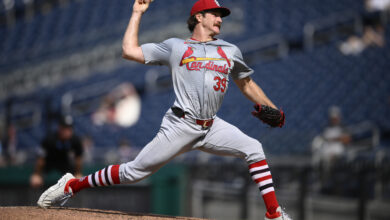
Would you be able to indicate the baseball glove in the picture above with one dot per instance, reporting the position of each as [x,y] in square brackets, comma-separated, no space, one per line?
[269,115]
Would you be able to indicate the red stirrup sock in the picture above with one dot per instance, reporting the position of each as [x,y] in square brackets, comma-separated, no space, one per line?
[105,177]
[262,176]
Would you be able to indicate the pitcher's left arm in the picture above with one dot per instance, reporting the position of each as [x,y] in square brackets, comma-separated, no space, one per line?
[253,92]
[265,110]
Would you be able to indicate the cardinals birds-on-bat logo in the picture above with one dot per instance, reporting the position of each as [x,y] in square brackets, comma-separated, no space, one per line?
[197,63]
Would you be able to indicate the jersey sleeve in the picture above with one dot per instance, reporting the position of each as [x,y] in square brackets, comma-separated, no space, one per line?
[240,69]
[157,53]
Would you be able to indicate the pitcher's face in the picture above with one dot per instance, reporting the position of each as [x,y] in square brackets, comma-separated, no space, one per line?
[212,22]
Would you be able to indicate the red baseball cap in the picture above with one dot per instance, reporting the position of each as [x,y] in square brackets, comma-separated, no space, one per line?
[202,5]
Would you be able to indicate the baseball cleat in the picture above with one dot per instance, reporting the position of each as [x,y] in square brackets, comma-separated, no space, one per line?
[279,215]
[58,193]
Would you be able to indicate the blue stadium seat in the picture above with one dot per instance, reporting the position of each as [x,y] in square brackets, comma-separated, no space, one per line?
[304,84]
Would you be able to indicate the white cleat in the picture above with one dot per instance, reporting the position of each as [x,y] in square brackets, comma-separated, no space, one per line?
[280,215]
[57,194]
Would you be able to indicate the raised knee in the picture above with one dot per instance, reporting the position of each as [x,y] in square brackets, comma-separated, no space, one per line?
[255,152]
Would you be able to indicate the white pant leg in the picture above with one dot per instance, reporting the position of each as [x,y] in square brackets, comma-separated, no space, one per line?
[227,140]
[175,137]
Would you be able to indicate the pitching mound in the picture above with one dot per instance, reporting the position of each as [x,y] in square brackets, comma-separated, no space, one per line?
[33,213]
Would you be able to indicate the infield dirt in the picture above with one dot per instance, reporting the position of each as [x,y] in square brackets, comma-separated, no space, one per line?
[34,213]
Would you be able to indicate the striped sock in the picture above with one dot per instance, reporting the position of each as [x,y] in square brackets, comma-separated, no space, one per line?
[262,176]
[105,177]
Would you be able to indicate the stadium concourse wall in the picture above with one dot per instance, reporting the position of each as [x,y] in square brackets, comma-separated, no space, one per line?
[164,193]
[222,189]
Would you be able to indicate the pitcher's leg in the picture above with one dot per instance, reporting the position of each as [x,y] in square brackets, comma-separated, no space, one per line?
[226,139]
[174,137]
[155,155]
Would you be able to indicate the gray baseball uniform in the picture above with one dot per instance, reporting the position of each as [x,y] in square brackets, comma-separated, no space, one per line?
[200,74]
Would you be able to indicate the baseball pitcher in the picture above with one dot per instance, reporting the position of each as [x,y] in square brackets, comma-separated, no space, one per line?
[200,66]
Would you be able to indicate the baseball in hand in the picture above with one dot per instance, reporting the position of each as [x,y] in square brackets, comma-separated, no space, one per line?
[141,5]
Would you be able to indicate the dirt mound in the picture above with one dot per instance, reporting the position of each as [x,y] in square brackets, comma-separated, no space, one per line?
[33,213]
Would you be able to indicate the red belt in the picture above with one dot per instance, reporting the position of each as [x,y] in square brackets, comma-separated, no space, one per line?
[205,123]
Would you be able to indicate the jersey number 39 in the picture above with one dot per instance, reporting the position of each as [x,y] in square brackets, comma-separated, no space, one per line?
[220,84]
